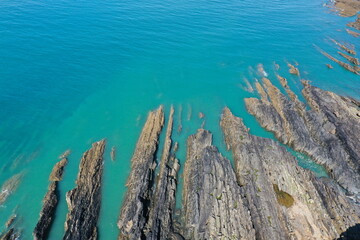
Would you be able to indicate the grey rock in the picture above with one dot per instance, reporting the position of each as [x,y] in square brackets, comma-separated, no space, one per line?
[328,132]
[213,207]
[85,199]
[135,209]
[285,200]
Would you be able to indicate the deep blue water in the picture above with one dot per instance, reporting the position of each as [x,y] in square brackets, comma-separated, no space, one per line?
[73,72]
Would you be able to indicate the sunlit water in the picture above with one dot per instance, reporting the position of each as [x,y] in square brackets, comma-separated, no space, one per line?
[73,72]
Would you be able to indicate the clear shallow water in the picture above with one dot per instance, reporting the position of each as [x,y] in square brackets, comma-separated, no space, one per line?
[73,72]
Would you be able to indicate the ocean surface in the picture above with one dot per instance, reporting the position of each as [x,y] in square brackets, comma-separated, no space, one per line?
[74,72]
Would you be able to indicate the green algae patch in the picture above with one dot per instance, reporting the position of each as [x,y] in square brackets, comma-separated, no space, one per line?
[282,197]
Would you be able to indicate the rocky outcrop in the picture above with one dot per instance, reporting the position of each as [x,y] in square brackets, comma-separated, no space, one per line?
[356,23]
[327,132]
[353,69]
[349,49]
[10,234]
[50,202]
[85,199]
[160,224]
[351,59]
[213,206]
[285,201]
[135,209]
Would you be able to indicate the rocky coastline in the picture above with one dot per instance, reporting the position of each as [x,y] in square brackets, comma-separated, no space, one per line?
[263,194]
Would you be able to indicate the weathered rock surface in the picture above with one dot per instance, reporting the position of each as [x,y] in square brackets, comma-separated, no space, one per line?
[160,221]
[135,209]
[285,201]
[328,132]
[85,199]
[50,202]
[213,206]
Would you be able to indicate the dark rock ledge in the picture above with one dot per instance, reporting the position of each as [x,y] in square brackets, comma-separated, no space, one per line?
[50,202]
[285,200]
[328,132]
[85,199]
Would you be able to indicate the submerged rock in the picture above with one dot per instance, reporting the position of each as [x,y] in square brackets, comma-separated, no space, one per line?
[355,34]
[50,202]
[213,206]
[285,200]
[85,199]
[9,187]
[328,132]
[113,153]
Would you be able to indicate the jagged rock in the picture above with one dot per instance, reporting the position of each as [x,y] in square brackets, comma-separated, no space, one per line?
[355,24]
[162,207]
[213,207]
[135,208]
[353,69]
[50,202]
[85,199]
[10,221]
[345,48]
[10,234]
[58,170]
[328,132]
[9,187]
[351,59]
[285,201]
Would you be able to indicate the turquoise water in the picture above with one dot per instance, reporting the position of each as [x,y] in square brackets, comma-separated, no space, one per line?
[73,72]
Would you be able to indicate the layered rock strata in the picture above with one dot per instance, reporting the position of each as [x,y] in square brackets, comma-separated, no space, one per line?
[50,202]
[328,132]
[85,199]
[148,208]
[285,201]
[213,206]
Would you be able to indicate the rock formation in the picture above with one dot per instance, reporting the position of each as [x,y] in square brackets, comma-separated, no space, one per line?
[328,132]
[285,201]
[160,224]
[351,59]
[85,199]
[50,202]
[145,215]
[213,206]
[353,69]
